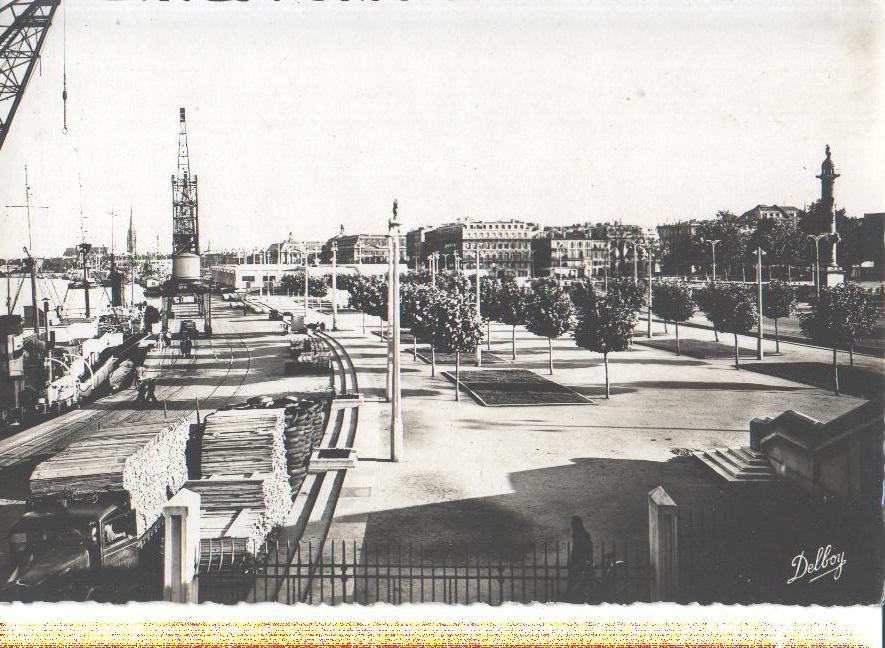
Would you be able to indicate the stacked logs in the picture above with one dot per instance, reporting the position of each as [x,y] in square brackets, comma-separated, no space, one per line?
[147,461]
[310,355]
[245,489]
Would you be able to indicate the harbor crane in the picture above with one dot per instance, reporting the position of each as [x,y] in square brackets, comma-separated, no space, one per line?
[23,28]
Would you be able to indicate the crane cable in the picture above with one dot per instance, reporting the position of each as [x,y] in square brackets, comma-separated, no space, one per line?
[64,67]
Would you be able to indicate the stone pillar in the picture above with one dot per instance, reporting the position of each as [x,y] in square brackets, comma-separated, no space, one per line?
[181,549]
[663,550]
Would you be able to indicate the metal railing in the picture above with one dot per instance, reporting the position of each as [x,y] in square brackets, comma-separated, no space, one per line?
[347,572]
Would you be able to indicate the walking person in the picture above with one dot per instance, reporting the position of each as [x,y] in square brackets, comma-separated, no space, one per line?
[150,386]
[580,564]
[140,372]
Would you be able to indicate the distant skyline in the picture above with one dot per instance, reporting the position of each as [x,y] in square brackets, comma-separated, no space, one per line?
[303,116]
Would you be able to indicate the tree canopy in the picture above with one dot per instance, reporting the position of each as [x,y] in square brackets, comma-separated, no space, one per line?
[550,310]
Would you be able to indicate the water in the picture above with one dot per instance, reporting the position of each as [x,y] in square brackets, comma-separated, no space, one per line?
[57,292]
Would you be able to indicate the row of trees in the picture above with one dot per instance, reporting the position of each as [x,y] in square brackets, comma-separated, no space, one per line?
[444,313]
[786,244]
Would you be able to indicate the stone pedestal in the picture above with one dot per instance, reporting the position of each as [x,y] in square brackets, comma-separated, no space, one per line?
[181,548]
[832,276]
[662,545]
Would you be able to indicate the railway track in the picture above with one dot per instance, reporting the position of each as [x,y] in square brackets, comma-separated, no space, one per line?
[53,436]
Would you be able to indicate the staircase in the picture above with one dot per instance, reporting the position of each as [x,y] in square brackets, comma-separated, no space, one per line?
[738,464]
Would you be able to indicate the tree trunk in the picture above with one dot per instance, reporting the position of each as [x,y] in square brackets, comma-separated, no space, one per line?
[851,354]
[457,375]
[382,327]
[364,322]
[835,373]
[715,333]
[789,274]
[677,337]
[414,348]
[432,358]
[737,355]
[550,348]
[666,330]
[605,362]
[488,335]
[513,343]
[777,342]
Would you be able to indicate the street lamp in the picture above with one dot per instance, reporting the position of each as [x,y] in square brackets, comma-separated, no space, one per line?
[334,285]
[816,238]
[648,255]
[561,248]
[713,246]
[478,311]
[396,415]
[759,352]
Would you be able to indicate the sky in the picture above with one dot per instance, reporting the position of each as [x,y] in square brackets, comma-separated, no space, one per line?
[306,115]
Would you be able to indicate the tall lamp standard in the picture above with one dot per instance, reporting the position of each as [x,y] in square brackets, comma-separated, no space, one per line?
[478,311]
[561,248]
[306,281]
[713,246]
[759,351]
[816,238]
[648,255]
[334,285]
[396,414]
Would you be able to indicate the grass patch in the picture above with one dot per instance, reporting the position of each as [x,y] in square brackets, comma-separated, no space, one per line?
[515,388]
[856,381]
[700,349]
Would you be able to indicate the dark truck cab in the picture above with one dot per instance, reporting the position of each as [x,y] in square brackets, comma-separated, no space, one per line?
[63,548]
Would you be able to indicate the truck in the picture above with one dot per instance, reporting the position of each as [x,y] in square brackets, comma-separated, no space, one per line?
[92,528]
[83,547]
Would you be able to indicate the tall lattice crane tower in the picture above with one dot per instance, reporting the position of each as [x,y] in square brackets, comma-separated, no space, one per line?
[185,210]
[23,27]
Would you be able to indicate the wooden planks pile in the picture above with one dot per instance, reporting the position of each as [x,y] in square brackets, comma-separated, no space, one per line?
[245,486]
[146,460]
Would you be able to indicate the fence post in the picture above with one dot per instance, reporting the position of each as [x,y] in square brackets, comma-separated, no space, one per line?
[181,547]
[663,551]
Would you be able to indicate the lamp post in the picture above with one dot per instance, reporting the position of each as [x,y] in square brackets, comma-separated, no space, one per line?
[760,354]
[605,268]
[816,238]
[478,311]
[306,281]
[561,248]
[334,285]
[396,415]
[433,261]
[713,247]
[648,254]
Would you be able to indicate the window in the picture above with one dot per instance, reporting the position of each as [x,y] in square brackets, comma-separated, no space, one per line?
[248,277]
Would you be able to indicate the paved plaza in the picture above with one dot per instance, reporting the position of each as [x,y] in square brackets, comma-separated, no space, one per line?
[512,475]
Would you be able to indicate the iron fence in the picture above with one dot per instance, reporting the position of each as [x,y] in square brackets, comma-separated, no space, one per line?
[337,572]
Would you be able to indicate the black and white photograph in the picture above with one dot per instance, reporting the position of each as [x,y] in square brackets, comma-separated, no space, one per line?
[404,302]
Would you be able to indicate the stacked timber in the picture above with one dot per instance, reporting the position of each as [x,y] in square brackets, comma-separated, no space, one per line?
[310,355]
[299,442]
[244,489]
[147,461]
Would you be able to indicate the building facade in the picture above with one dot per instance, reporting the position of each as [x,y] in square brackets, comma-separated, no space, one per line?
[504,246]
[759,213]
[679,240]
[569,253]
[363,249]
[292,251]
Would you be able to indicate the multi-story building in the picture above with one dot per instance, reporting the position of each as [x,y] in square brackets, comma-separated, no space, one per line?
[873,229]
[760,213]
[679,242]
[504,246]
[569,252]
[363,249]
[415,247]
[292,251]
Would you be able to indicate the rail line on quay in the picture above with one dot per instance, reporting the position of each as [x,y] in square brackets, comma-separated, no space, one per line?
[116,411]
[291,552]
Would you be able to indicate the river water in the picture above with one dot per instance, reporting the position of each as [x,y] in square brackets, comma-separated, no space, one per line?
[72,300]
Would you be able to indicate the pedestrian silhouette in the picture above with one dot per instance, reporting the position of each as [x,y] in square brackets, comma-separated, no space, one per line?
[580,563]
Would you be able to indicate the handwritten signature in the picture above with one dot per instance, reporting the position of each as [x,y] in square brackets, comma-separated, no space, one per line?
[827,561]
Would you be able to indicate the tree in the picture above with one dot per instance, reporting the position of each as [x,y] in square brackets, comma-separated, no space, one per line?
[704,298]
[550,313]
[488,299]
[604,323]
[778,300]
[511,308]
[458,329]
[316,286]
[733,310]
[839,317]
[634,294]
[423,318]
[850,250]
[672,301]
[781,241]
[730,231]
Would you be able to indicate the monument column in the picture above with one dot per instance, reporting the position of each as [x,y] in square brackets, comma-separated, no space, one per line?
[832,273]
